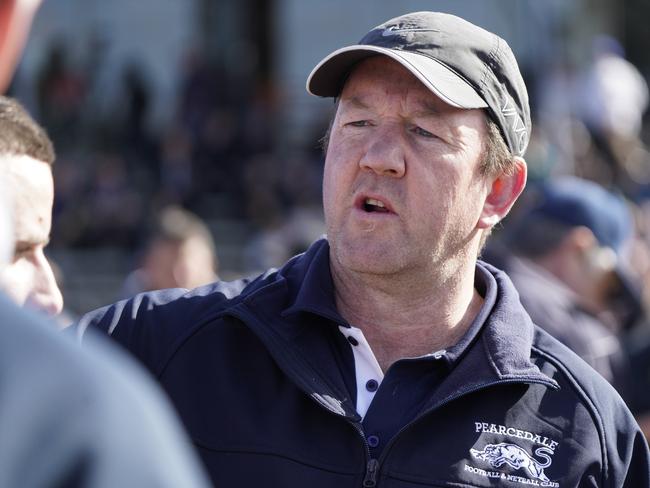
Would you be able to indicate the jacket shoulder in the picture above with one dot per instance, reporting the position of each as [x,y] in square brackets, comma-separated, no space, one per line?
[153,325]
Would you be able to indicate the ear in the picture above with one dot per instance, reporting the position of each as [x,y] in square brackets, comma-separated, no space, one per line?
[579,239]
[504,191]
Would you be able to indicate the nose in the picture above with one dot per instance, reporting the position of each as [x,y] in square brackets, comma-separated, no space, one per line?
[385,154]
[45,295]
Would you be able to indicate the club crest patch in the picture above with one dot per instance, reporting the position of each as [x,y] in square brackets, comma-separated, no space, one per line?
[523,466]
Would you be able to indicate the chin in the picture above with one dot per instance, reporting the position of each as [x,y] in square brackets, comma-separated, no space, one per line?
[369,258]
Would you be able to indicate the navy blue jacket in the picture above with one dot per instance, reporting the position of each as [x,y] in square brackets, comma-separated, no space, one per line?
[517,409]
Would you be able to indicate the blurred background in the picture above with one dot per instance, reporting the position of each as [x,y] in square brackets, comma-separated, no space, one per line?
[156,106]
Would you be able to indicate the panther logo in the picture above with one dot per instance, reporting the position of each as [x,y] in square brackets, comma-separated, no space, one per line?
[515,457]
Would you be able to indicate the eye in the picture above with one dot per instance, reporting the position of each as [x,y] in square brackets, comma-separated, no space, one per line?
[358,123]
[422,132]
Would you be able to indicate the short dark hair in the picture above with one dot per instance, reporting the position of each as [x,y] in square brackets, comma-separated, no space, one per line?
[497,158]
[176,225]
[20,135]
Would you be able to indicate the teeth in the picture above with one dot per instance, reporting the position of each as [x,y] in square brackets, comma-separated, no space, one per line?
[375,203]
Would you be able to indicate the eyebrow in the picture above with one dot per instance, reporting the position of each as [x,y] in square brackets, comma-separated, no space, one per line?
[429,109]
[355,101]
[23,244]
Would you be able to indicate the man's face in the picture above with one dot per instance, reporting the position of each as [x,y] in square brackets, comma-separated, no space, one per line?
[184,264]
[402,188]
[28,278]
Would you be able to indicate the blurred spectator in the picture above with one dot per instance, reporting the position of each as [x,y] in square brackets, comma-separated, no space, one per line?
[61,92]
[180,253]
[614,93]
[612,98]
[274,245]
[111,192]
[285,206]
[567,266]
[176,168]
[26,158]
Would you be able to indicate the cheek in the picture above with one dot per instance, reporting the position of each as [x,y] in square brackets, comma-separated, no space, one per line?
[328,192]
[17,280]
[334,177]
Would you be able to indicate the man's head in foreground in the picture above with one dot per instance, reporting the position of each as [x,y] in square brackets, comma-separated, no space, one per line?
[26,157]
[424,154]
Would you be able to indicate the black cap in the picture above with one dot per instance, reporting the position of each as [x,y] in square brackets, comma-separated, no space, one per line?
[463,64]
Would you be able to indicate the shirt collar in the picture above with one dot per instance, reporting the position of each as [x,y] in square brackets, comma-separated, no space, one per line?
[316,295]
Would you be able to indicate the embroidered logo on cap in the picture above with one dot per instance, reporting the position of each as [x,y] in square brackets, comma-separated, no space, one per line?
[395,30]
[516,124]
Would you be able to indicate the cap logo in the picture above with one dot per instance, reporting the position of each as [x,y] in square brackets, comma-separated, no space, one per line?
[395,30]
[516,124]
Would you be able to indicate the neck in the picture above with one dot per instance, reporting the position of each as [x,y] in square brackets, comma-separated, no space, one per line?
[407,316]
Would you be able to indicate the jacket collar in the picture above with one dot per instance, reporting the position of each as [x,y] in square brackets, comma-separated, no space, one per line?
[497,352]
[314,286]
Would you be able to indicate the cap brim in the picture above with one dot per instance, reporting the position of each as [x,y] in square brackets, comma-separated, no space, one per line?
[327,78]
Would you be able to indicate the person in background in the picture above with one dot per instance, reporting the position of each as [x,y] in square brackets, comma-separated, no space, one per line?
[179,253]
[74,417]
[568,265]
[26,158]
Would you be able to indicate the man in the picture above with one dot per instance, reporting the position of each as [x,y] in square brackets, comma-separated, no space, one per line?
[79,418]
[570,273]
[179,253]
[386,355]
[26,157]
[82,418]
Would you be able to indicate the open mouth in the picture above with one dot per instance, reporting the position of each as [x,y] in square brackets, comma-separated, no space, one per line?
[371,205]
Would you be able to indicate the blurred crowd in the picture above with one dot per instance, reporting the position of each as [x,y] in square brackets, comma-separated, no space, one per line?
[222,141]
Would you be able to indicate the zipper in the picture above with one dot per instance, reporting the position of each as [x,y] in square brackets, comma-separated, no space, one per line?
[370,479]
[372,465]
